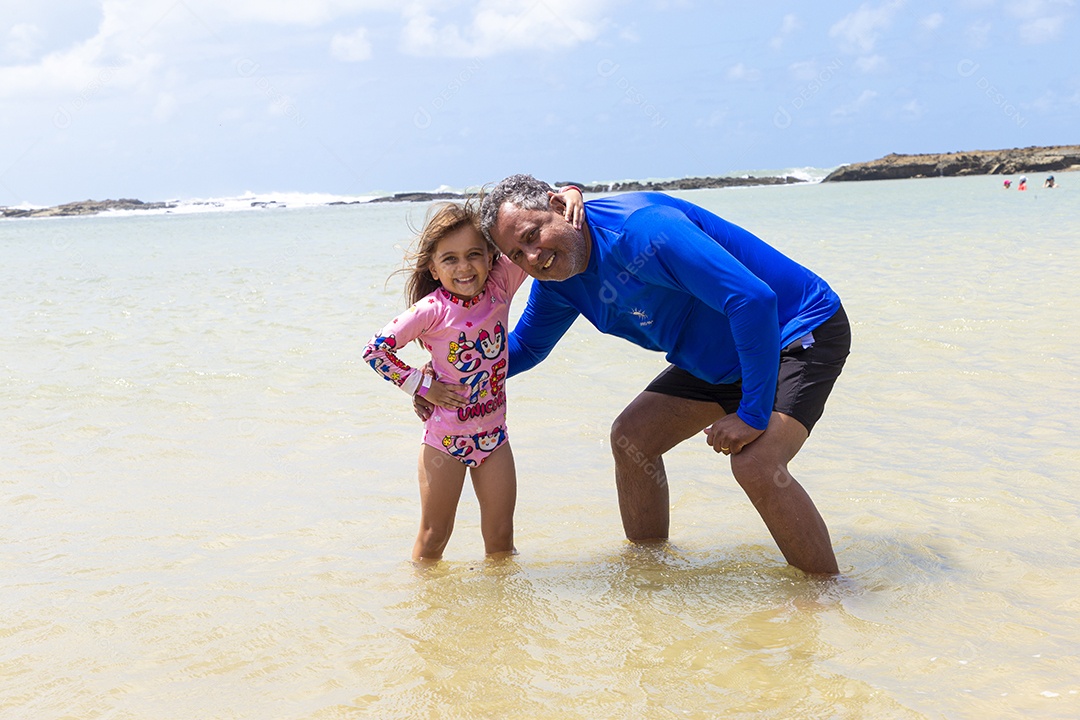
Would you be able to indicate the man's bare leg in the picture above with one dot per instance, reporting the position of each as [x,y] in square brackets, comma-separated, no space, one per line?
[789,513]
[654,423]
[650,426]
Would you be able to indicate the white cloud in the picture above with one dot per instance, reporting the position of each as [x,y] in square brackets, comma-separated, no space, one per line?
[495,26]
[1041,30]
[351,47]
[717,118]
[21,41]
[856,106]
[860,30]
[124,51]
[789,25]
[165,107]
[805,70]
[913,110]
[1035,8]
[1042,20]
[740,72]
[978,33]
[871,63]
[136,41]
[231,115]
[932,21]
[84,70]
[309,13]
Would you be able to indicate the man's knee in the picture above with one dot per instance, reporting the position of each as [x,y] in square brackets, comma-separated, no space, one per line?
[760,473]
[630,437]
[752,467]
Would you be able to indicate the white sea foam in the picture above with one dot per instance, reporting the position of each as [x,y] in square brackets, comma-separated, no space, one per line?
[809,174]
[24,205]
[805,173]
[248,201]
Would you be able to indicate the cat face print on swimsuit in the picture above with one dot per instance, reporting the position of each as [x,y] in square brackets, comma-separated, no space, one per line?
[491,440]
[492,344]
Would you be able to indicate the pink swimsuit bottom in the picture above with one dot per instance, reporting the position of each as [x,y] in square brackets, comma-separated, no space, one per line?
[471,450]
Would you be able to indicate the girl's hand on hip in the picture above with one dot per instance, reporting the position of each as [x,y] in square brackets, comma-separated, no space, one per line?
[447,395]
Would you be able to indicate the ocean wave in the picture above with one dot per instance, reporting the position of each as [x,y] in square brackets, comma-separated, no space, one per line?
[249,201]
[805,173]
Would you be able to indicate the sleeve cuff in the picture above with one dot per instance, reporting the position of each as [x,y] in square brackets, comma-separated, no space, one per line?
[754,421]
[412,382]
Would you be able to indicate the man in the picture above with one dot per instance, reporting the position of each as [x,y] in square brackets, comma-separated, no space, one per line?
[756,342]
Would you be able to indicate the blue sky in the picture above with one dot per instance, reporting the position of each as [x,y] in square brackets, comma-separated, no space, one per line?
[176,99]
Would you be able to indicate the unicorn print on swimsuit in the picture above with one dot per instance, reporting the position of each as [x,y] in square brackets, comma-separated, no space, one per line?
[477,386]
[466,357]
[463,354]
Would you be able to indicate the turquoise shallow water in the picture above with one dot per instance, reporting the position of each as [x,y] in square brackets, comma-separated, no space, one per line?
[208,500]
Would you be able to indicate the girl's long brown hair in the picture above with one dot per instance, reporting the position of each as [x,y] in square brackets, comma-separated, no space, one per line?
[442,220]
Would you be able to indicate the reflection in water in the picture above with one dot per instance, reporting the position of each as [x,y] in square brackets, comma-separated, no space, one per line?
[650,629]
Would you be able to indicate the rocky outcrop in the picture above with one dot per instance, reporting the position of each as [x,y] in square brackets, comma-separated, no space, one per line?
[419,197]
[84,207]
[976,162]
[694,183]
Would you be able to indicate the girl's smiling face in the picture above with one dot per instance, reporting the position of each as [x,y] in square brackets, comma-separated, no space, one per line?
[461,262]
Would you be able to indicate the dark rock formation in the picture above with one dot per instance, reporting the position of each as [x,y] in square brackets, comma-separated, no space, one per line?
[85,207]
[419,197]
[976,162]
[694,183]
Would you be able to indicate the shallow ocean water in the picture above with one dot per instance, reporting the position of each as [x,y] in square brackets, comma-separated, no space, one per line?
[209,500]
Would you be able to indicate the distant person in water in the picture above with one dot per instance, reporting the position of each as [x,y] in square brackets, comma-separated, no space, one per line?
[1008,183]
[1049,182]
[755,341]
[1023,183]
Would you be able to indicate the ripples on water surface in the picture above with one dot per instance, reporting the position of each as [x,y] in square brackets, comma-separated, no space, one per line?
[208,500]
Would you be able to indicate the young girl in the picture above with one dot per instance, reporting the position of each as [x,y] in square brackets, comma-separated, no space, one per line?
[460,289]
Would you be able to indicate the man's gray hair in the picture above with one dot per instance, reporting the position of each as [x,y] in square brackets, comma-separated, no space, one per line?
[523,191]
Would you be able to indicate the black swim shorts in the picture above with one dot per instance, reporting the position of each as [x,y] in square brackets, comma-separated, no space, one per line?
[807,375]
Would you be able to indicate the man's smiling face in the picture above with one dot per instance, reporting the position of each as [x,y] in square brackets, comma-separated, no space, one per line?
[541,242]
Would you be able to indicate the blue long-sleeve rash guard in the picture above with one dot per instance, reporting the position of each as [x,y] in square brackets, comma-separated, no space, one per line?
[670,276]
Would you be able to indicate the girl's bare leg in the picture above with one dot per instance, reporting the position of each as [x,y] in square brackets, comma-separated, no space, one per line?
[441,479]
[495,483]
